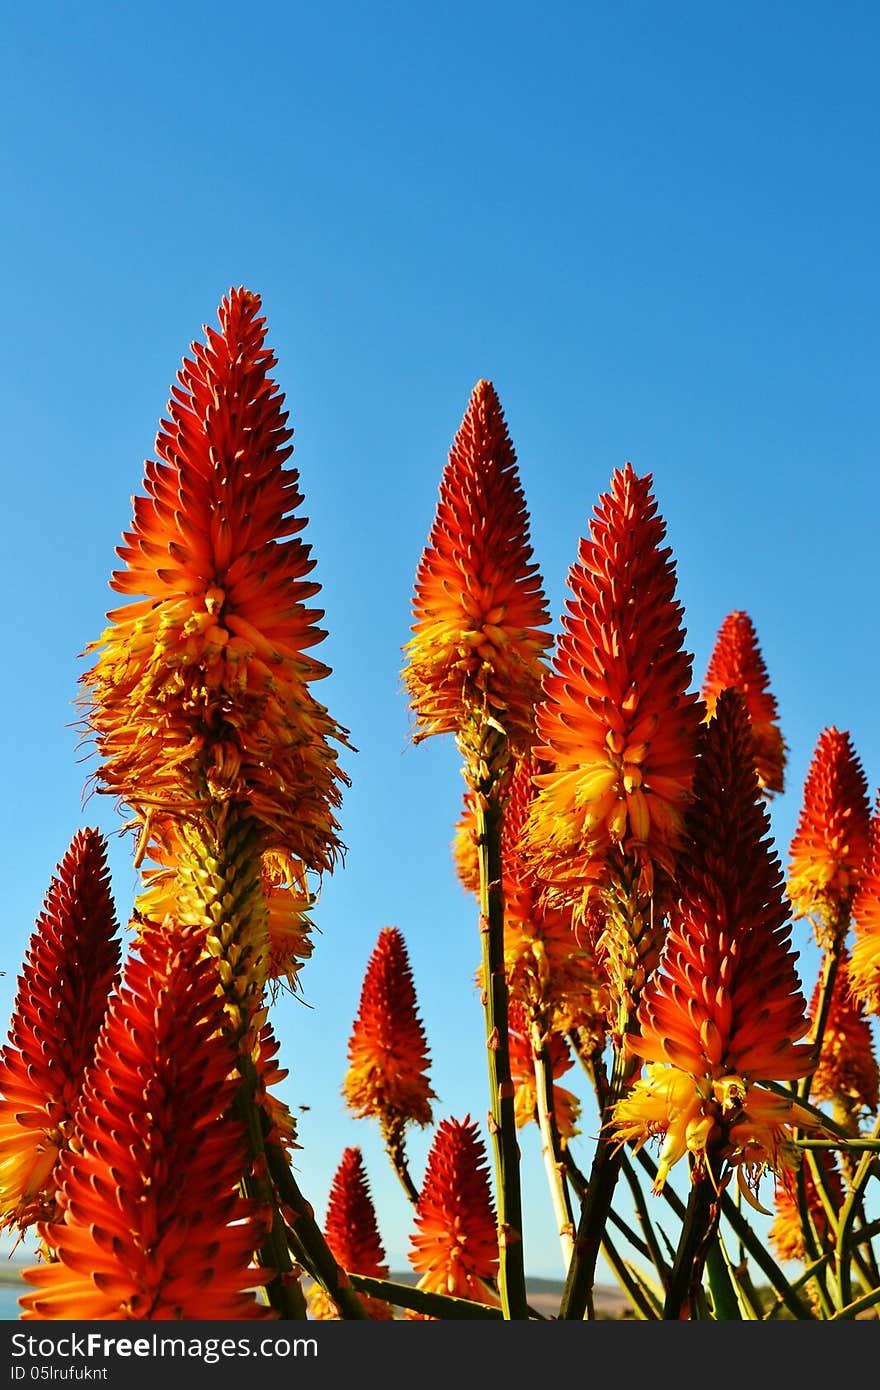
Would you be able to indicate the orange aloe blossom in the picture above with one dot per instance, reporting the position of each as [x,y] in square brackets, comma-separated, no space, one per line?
[474,662]
[473,669]
[617,727]
[830,844]
[388,1057]
[455,1248]
[865,963]
[724,1012]
[200,698]
[70,967]
[150,1222]
[352,1233]
[737,661]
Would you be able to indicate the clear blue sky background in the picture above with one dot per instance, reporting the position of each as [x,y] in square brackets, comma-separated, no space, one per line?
[653,227]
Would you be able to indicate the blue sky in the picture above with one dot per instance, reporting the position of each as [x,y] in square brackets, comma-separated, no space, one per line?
[654,228]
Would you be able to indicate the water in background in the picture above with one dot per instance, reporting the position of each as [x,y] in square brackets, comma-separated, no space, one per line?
[9,1296]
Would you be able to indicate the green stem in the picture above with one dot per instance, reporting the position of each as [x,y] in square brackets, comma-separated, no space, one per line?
[502,1120]
[577,1297]
[303,1233]
[764,1260]
[435,1305]
[552,1147]
[698,1231]
[395,1147]
[283,1290]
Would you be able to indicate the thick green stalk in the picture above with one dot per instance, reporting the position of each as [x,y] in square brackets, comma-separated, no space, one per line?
[502,1121]
[698,1232]
[577,1297]
[283,1290]
[435,1305]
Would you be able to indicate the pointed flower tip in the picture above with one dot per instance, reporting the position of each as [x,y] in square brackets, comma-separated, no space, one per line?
[617,724]
[387,1076]
[829,848]
[202,686]
[736,661]
[479,613]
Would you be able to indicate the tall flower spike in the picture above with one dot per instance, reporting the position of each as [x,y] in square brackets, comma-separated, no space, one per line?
[352,1234]
[455,1247]
[387,1076]
[723,1012]
[476,656]
[617,728]
[736,660]
[201,687]
[69,970]
[830,844]
[865,962]
[151,1225]
[616,724]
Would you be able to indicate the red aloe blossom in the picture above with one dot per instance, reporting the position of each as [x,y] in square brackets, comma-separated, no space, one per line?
[69,969]
[352,1233]
[736,660]
[616,725]
[150,1222]
[479,611]
[723,1012]
[847,1073]
[388,1056]
[201,690]
[830,844]
[455,1249]
[865,964]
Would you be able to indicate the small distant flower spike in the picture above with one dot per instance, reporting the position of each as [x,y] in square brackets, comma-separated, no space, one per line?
[388,1057]
[865,963]
[786,1233]
[150,1221]
[476,657]
[352,1233]
[455,1247]
[847,1074]
[201,687]
[70,967]
[617,728]
[830,844]
[737,661]
[723,1012]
